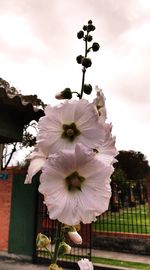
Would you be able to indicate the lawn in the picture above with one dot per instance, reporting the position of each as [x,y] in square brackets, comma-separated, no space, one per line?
[103,261]
[130,219]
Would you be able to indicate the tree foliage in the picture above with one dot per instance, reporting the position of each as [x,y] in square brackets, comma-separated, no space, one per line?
[132,163]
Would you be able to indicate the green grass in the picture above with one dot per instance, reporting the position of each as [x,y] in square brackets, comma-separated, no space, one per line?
[98,260]
[132,220]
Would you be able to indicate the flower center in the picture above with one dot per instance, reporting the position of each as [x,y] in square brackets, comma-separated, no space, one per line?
[74,181]
[70,131]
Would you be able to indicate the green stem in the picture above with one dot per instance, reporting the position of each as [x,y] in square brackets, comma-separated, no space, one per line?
[84,69]
[74,92]
[58,241]
[83,79]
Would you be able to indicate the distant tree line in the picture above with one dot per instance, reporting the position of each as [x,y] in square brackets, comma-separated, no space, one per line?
[128,180]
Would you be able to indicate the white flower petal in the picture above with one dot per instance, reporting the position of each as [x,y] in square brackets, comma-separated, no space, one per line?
[38,159]
[85,264]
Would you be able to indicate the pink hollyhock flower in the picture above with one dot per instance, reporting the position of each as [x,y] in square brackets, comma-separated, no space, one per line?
[85,264]
[76,186]
[67,124]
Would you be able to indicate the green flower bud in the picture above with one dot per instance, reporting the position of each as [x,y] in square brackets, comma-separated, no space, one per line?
[79,59]
[90,22]
[54,266]
[90,27]
[87,89]
[80,34]
[85,27]
[89,38]
[42,241]
[64,248]
[95,47]
[86,62]
[65,94]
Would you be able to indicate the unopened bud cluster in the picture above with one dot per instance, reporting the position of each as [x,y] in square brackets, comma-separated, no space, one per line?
[84,60]
[87,37]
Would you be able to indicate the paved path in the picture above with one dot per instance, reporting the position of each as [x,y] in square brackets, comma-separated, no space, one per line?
[10,264]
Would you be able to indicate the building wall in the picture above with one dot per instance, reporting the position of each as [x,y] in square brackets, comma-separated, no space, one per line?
[5,206]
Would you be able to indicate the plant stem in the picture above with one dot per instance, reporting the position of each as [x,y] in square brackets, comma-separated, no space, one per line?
[84,69]
[58,241]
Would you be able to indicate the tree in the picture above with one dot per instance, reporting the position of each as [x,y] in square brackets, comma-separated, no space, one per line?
[134,164]
[127,179]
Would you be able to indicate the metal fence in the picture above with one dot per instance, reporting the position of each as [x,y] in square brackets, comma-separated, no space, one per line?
[128,217]
[128,210]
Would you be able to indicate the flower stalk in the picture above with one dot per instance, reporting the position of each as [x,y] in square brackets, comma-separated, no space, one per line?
[86,62]
[59,239]
[84,69]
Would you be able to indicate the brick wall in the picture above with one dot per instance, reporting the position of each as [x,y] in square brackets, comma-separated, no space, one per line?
[5,206]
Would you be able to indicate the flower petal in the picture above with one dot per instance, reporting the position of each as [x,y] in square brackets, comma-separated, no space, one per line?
[85,264]
[37,161]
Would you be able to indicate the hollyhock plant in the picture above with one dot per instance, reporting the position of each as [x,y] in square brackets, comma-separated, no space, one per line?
[75,152]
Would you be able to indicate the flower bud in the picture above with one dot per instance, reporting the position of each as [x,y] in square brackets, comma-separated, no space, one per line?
[89,38]
[90,27]
[99,102]
[65,94]
[80,34]
[42,241]
[90,22]
[79,59]
[84,27]
[87,89]
[75,237]
[54,266]
[86,62]
[95,47]
[64,249]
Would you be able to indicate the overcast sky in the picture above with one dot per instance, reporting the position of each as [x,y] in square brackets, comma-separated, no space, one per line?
[38,48]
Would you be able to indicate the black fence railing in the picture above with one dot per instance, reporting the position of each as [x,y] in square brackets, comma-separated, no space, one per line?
[128,216]
[128,210]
